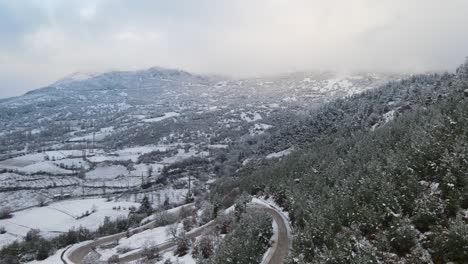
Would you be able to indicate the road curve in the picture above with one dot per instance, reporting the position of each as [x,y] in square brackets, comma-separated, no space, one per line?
[280,248]
[275,255]
[75,254]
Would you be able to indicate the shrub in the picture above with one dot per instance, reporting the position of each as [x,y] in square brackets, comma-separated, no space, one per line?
[123,250]
[247,242]
[43,251]
[403,238]
[151,253]
[204,246]
[188,224]
[113,259]
[207,213]
[5,213]
[183,245]
[9,259]
[32,235]
[451,245]
[164,218]
[224,223]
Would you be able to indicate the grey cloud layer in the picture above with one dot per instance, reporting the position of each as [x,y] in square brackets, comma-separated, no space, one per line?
[43,40]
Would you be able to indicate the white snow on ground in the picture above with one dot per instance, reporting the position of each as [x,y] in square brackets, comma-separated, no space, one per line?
[77,76]
[187,259]
[280,153]
[165,116]
[142,169]
[44,166]
[157,197]
[181,155]
[250,117]
[218,146]
[259,129]
[130,153]
[9,176]
[22,161]
[34,163]
[97,136]
[75,162]
[246,161]
[30,159]
[170,211]
[61,216]
[389,116]
[6,239]
[12,180]
[290,99]
[142,149]
[336,84]
[61,154]
[107,172]
[101,158]
[150,237]
[53,259]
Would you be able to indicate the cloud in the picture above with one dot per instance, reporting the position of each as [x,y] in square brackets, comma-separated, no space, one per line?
[47,39]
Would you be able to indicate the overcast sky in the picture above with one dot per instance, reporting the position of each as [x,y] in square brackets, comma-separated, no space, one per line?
[44,40]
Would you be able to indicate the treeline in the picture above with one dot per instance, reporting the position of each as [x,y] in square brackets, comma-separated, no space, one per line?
[369,190]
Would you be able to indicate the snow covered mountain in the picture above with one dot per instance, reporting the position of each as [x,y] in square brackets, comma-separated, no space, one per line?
[159,85]
[129,99]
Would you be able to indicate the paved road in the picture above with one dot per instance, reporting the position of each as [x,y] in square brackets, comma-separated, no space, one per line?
[276,255]
[167,245]
[280,249]
[77,254]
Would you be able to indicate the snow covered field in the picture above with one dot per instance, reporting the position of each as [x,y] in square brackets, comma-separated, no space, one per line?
[47,162]
[107,172]
[61,217]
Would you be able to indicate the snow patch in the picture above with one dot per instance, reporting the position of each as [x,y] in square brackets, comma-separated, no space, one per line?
[161,118]
[280,153]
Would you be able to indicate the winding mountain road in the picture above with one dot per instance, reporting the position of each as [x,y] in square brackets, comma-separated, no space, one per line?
[280,247]
[276,255]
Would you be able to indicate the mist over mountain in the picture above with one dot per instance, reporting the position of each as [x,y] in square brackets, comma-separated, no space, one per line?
[270,132]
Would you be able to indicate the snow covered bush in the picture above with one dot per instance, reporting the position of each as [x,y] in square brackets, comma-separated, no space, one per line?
[403,237]
[203,247]
[247,242]
[5,212]
[452,244]
[151,253]
[113,259]
[183,245]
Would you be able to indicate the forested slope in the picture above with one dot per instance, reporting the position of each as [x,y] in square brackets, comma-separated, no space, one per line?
[381,177]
